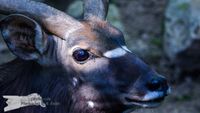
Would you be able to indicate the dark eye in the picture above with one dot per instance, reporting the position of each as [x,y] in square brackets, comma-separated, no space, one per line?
[81,55]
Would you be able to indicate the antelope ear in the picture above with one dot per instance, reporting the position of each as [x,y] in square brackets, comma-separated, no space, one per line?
[23,36]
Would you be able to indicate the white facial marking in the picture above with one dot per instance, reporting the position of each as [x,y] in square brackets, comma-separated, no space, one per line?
[118,52]
[75,81]
[90,104]
[125,48]
[152,95]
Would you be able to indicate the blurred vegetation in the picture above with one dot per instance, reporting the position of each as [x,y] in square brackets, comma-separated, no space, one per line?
[183,6]
[163,33]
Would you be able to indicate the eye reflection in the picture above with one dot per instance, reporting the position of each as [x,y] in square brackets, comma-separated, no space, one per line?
[81,55]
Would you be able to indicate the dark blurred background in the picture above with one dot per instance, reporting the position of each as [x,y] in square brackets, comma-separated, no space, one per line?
[164,33]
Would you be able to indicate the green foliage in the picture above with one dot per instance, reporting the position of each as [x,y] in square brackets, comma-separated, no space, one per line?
[114,17]
[184,98]
[156,41]
[113,1]
[183,6]
[75,9]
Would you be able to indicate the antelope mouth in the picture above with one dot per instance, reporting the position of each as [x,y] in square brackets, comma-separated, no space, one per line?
[149,100]
[147,104]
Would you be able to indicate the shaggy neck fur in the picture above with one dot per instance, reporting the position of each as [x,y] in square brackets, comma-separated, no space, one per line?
[22,78]
[55,86]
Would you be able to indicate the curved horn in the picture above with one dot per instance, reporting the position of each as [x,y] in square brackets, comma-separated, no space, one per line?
[95,9]
[54,21]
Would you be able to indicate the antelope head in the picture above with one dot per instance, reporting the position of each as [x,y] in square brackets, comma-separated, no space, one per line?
[104,76]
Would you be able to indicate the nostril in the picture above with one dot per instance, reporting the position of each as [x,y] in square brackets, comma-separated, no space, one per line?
[159,84]
[154,85]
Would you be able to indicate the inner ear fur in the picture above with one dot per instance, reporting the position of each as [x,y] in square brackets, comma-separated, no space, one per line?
[23,36]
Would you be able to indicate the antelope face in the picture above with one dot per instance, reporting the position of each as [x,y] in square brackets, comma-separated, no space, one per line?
[105,76]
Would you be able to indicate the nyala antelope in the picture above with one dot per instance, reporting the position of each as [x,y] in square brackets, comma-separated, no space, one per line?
[83,65]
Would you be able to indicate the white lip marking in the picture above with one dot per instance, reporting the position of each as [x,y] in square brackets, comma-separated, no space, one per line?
[90,104]
[152,95]
[125,48]
[118,52]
